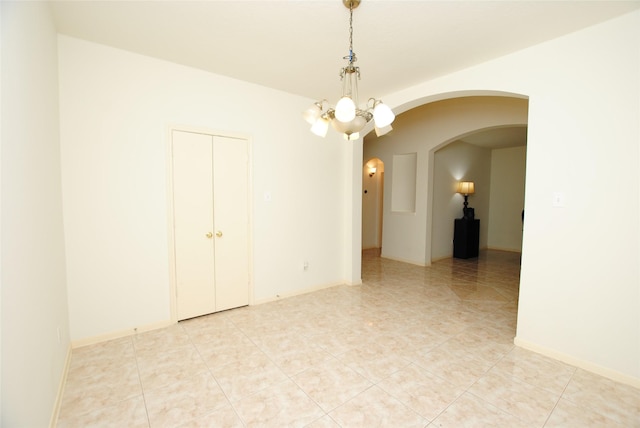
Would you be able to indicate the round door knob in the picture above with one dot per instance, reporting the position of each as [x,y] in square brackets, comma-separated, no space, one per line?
[218,234]
[209,235]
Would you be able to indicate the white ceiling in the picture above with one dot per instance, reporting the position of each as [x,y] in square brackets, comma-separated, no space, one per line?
[298,46]
[498,138]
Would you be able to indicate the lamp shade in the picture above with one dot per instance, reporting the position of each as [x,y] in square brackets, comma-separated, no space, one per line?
[383,131]
[466,188]
[354,126]
[345,109]
[382,115]
[320,127]
[313,113]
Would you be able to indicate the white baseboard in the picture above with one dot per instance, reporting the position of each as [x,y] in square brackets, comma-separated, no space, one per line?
[118,334]
[63,381]
[298,292]
[576,362]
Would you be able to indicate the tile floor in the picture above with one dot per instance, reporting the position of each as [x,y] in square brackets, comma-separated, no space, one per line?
[411,347]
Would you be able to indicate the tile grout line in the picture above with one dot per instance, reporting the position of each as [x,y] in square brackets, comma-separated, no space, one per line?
[144,396]
[209,370]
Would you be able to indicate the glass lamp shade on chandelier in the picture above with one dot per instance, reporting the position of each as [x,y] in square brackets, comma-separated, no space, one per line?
[346,117]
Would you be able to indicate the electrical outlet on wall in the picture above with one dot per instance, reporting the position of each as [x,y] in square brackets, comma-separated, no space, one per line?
[558,199]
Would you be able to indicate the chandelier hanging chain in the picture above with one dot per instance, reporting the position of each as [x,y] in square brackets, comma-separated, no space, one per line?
[351,54]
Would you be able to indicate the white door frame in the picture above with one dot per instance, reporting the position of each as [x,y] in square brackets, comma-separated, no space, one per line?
[170,217]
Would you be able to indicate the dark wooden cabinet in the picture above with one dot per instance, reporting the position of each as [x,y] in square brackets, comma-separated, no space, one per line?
[466,238]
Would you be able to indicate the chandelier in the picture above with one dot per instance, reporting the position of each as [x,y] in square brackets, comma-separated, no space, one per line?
[346,117]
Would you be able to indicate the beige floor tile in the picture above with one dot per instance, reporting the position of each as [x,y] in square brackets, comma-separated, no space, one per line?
[478,347]
[247,375]
[423,392]
[376,408]
[216,321]
[470,411]
[167,367]
[448,326]
[535,369]
[459,368]
[162,340]
[284,404]
[258,330]
[567,414]
[494,329]
[331,384]
[185,400]
[389,342]
[92,367]
[338,342]
[254,316]
[110,385]
[297,360]
[410,345]
[85,360]
[223,352]
[282,342]
[373,363]
[209,329]
[615,400]
[528,403]
[224,416]
[127,413]
[419,338]
[323,422]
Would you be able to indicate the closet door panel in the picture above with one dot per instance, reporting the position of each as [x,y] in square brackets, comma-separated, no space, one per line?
[193,224]
[231,220]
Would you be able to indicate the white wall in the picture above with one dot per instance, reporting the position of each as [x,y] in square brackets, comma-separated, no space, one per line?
[580,280]
[34,296]
[459,161]
[507,198]
[422,130]
[116,108]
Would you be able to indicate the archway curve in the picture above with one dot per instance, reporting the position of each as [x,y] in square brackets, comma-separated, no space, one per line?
[480,110]
[399,103]
[464,135]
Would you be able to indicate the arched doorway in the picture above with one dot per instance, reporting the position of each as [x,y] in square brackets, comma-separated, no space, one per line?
[372,203]
[494,159]
[408,236]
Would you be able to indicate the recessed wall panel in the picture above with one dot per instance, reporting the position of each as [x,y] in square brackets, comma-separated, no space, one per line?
[403,196]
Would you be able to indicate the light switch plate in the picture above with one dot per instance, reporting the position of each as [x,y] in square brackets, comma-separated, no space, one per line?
[558,199]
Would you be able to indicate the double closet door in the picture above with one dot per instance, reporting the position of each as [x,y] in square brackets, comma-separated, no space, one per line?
[210,180]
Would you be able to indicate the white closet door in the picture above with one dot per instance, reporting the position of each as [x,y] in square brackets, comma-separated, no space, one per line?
[231,219]
[211,223]
[193,224]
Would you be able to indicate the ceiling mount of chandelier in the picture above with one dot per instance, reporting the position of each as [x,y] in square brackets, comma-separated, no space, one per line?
[346,117]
